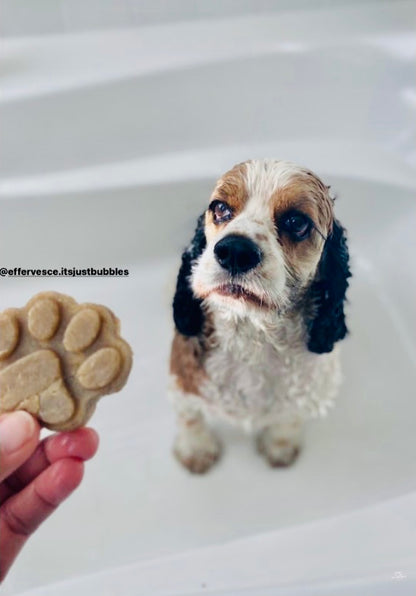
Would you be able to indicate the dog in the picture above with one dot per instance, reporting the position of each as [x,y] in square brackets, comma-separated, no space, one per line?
[259,312]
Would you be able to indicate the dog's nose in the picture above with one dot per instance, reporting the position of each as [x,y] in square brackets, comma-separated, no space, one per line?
[237,254]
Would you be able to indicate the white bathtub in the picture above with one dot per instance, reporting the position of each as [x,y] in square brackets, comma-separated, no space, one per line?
[111,140]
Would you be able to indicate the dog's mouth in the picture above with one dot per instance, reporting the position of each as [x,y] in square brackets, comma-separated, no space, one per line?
[233,290]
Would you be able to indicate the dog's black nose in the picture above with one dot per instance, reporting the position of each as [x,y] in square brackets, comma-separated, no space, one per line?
[237,254]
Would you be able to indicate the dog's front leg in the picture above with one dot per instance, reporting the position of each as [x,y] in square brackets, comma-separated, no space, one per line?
[195,446]
[280,443]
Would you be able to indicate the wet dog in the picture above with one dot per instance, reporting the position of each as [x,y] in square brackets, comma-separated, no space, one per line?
[258,311]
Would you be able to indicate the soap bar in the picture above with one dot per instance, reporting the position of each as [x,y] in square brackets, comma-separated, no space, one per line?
[58,357]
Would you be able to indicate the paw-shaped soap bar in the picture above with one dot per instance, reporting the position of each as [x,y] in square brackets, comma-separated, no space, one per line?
[58,357]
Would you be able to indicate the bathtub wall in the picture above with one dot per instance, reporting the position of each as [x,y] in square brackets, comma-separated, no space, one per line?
[116,118]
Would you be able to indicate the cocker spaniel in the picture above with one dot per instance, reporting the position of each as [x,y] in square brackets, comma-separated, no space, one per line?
[258,312]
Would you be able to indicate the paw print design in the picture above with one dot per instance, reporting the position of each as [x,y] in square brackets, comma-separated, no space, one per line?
[57,358]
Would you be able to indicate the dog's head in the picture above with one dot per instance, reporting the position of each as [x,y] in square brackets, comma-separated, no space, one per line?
[267,242]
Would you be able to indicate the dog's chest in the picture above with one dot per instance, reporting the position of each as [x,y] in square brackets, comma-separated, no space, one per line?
[254,372]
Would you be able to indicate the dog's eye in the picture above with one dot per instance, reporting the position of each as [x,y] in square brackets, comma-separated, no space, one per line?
[221,211]
[297,225]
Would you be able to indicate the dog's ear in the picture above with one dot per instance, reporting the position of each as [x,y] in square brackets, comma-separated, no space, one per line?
[187,310]
[327,294]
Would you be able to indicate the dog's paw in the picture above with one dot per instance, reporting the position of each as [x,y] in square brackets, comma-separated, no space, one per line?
[197,449]
[278,452]
[57,358]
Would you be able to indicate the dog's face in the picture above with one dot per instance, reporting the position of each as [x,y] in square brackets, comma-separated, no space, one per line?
[265,230]
[268,243]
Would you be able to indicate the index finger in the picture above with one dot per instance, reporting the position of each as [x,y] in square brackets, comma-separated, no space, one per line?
[81,443]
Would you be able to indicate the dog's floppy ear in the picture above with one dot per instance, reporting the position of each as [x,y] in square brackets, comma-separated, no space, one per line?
[187,310]
[327,293]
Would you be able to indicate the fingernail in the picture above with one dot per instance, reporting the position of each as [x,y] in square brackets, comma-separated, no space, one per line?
[16,429]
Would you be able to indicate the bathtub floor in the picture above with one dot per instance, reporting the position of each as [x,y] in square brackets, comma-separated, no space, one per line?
[136,502]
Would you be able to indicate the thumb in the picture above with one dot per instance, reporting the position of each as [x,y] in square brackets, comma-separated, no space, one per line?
[19,436]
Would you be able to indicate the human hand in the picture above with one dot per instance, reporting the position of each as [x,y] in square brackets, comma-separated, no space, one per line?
[35,477]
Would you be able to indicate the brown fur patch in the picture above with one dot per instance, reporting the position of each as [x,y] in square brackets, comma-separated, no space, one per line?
[230,188]
[188,354]
[186,363]
[307,194]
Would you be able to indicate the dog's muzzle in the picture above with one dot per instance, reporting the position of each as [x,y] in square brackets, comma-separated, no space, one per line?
[237,254]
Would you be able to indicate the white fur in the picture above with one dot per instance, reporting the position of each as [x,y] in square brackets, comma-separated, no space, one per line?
[260,373]
[265,176]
